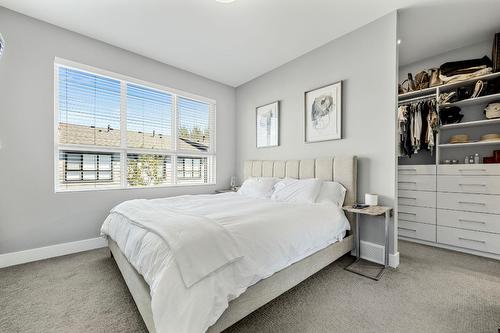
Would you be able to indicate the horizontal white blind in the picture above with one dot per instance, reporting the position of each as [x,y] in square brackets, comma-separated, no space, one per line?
[118,133]
[89,109]
[149,118]
[194,125]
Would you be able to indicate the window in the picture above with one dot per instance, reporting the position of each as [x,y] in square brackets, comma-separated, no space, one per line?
[117,132]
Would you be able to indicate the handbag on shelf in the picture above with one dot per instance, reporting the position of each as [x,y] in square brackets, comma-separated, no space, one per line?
[422,80]
[411,83]
[435,80]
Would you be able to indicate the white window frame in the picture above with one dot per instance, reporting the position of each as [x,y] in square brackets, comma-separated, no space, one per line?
[123,150]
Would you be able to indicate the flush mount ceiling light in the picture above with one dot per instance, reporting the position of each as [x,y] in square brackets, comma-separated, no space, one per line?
[225,1]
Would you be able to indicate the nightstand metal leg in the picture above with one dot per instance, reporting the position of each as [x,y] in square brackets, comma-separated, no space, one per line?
[358,238]
[386,250]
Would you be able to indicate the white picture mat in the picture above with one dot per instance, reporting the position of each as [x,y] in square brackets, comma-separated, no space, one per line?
[267,125]
[334,129]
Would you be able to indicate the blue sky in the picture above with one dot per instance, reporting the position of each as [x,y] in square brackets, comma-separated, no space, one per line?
[93,100]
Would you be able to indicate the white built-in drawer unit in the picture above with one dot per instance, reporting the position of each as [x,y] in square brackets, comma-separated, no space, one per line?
[417,214]
[469,184]
[417,198]
[468,220]
[416,170]
[417,182]
[469,202]
[417,230]
[475,240]
[469,169]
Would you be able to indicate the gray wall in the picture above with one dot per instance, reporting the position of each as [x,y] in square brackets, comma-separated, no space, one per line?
[366,61]
[31,214]
[472,50]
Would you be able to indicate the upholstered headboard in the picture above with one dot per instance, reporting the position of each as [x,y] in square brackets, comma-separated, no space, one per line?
[342,169]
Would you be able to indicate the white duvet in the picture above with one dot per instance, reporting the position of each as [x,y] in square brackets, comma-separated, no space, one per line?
[270,236]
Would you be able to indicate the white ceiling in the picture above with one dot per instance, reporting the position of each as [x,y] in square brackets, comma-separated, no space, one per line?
[234,43]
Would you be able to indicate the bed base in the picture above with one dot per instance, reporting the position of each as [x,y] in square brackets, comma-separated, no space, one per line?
[253,298]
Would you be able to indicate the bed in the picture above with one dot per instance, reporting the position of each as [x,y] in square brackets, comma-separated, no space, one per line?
[258,289]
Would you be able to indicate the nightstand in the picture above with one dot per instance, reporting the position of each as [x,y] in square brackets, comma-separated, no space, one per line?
[227,190]
[371,211]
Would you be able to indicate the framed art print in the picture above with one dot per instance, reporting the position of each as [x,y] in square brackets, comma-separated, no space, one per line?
[323,113]
[267,125]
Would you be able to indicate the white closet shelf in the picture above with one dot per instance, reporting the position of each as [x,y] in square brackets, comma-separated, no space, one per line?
[472,123]
[473,101]
[417,93]
[467,144]
[445,87]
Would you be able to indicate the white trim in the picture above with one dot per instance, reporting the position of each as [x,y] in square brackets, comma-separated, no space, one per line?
[394,260]
[375,253]
[21,257]
[452,248]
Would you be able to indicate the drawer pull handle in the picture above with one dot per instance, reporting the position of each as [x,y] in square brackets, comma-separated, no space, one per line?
[472,203]
[472,240]
[414,230]
[409,198]
[409,169]
[472,221]
[414,214]
[401,182]
[483,185]
[471,169]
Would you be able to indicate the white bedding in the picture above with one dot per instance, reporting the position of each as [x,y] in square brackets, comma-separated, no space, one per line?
[270,235]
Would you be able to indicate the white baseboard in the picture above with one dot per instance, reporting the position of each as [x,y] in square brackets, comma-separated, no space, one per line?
[21,257]
[375,253]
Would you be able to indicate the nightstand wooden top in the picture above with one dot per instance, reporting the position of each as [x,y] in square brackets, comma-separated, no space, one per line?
[372,210]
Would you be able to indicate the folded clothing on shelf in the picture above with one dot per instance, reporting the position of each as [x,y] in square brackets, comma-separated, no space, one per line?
[456,71]
[465,66]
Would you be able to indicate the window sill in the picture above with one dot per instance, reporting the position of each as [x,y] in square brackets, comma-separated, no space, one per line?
[134,188]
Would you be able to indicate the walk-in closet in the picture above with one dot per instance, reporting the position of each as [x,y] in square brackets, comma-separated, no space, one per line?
[448,124]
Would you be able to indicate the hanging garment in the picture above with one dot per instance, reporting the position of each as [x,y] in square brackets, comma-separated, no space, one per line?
[417,124]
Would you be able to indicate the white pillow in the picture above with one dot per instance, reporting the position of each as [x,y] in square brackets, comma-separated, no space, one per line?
[332,192]
[297,190]
[258,187]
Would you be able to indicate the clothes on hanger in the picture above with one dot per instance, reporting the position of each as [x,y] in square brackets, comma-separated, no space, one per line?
[417,124]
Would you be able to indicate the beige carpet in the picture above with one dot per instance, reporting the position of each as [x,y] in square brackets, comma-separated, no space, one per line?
[433,290]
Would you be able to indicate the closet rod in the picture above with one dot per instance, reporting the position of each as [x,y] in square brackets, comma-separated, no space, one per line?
[417,98]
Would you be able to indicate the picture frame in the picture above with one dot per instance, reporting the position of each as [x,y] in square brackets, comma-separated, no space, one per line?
[323,113]
[267,125]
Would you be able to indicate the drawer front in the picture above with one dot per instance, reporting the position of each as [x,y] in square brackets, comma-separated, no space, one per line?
[417,198]
[468,220]
[417,182]
[469,184]
[475,240]
[480,203]
[417,214]
[417,169]
[469,170]
[416,230]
